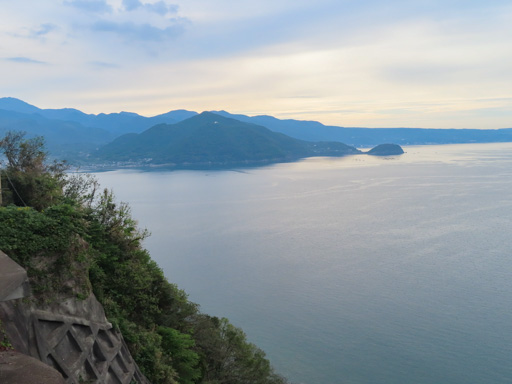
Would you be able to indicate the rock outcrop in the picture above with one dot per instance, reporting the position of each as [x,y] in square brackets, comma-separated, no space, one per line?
[386,150]
[17,368]
[13,280]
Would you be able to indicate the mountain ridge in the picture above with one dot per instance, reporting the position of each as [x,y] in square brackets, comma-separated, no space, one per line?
[211,139]
[73,134]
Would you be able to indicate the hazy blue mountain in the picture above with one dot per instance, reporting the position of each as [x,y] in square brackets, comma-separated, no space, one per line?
[72,134]
[16,105]
[211,139]
[304,130]
[118,123]
[114,123]
[366,137]
[63,138]
[177,115]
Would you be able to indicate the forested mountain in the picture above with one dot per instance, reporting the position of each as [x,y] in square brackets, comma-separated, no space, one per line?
[70,133]
[60,135]
[209,138]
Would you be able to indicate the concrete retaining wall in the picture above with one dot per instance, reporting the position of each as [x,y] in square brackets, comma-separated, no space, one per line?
[73,336]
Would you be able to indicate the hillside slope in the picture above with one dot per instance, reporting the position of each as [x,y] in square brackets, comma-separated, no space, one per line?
[212,139]
[74,242]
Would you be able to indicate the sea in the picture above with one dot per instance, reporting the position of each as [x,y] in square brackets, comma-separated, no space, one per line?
[350,270]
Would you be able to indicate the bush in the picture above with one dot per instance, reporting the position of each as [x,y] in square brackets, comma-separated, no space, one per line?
[72,241]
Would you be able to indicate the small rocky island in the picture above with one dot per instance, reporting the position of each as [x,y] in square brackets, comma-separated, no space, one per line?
[386,150]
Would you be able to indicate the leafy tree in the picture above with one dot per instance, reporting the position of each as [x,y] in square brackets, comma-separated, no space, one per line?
[21,154]
[31,180]
[185,359]
[73,240]
[80,189]
[228,357]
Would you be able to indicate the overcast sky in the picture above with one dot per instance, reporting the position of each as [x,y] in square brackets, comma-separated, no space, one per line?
[411,63]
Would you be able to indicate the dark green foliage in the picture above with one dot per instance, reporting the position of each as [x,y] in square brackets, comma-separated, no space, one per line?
[210,139]
[26,232]
[185,359]
[229,357]
[77,242]
[139,299]
[49,245]
[206,138]
[28,177]
[386,150]
[5,344]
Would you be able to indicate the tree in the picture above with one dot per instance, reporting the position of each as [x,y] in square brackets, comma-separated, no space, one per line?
[77,240]
[184,360]
[23,155]
[29,178]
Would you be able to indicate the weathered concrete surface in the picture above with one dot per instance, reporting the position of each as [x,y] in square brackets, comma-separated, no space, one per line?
[70,335]
[13,279]
[17,368]
[82,349]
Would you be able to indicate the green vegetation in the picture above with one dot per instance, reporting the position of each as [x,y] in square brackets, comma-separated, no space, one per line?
[386,150]
[205,138]
[74,240]
[213,140]
[5,344]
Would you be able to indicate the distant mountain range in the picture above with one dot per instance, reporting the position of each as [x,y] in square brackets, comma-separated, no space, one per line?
[368,137]
[73,134]
[209,139]
[68,131]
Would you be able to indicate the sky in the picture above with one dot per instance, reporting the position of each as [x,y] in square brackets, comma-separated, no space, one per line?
[365,63]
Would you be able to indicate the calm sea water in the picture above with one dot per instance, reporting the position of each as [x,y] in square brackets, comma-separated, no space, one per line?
[348,270]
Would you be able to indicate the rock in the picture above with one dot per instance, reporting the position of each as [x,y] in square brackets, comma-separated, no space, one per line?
[13,279]
[386,150]
[17,368]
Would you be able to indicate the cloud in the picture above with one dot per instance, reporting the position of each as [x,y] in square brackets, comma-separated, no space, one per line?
[93,6]
[160,7]
[38,32]
[376,59]
[132,31]
[42,30]
[25,60]
[102,64]
[129,21]
[422,73]
[131,5]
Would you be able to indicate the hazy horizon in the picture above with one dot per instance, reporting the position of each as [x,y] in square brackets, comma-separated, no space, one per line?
[230,112]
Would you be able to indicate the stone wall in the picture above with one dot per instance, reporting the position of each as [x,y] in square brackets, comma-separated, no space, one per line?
[71,335]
